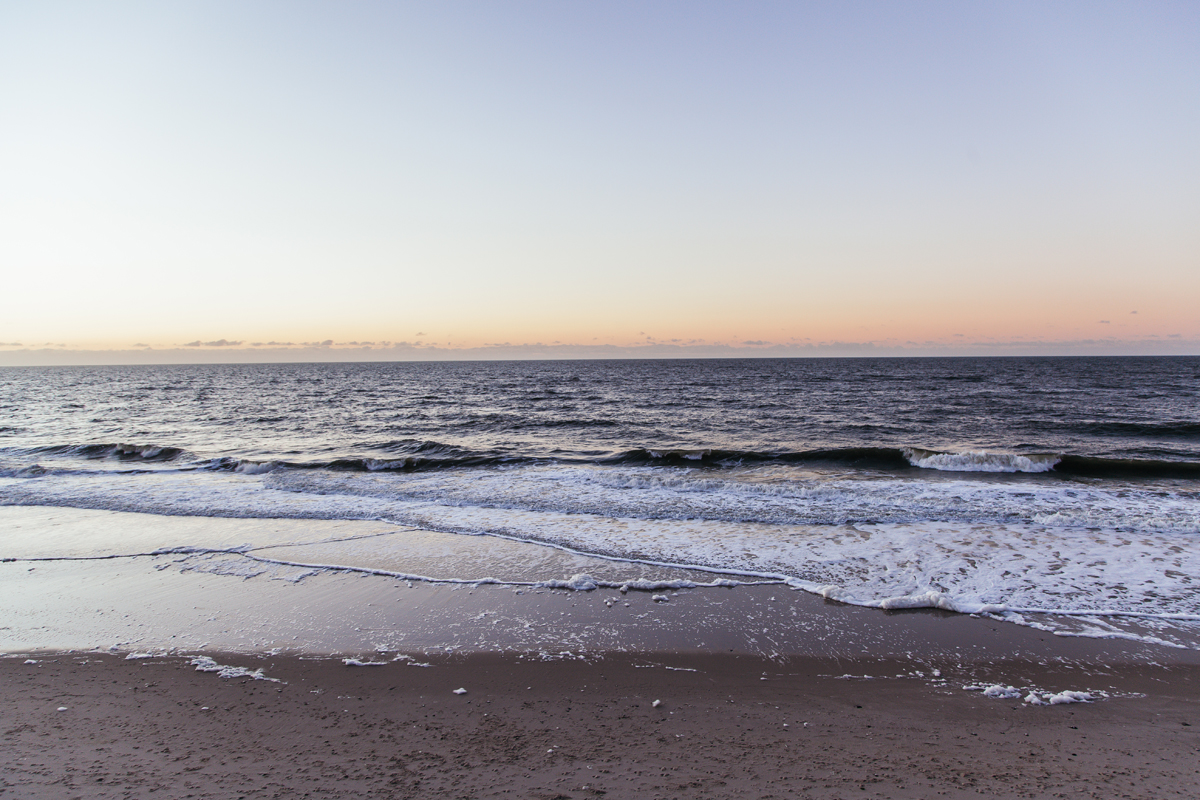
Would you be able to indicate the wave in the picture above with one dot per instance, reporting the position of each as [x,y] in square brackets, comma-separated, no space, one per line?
[1152,430]
[120,452]
[906,458]
[1080,466]
[416,447]
[860,457]
[776,498]
[980,461]
[417,455]
[1089,467]
[30,471]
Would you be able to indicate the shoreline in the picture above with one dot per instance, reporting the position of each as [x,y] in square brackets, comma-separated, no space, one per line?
[152,606]
[764,690]
[90,597]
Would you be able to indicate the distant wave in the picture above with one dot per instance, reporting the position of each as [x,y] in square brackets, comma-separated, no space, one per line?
[415,455]
[30,471]
[1149,430]
[861,457]
[1082,466]
[905,458]
[413,447]
[121,452]
[1088,467]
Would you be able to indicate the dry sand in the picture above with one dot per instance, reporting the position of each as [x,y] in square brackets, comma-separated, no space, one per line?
[585,728]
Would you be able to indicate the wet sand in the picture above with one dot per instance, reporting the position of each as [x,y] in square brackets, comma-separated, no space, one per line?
[221,600]
[150,605]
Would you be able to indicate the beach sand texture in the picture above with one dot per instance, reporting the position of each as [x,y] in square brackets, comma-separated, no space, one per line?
[345,686]
[726,726]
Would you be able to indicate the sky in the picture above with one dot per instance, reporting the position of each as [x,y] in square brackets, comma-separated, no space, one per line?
[298,180]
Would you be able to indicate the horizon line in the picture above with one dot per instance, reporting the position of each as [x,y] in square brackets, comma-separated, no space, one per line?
[48,356]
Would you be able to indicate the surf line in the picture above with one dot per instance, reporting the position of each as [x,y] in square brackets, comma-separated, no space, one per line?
[579,582]
[192,550]
[582,582]
[766,578]
[827,592]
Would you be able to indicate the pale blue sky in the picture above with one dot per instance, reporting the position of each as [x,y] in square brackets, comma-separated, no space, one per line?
[599,173]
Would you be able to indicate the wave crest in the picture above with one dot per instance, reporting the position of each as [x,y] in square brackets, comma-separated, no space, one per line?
[120,452]
[980,461]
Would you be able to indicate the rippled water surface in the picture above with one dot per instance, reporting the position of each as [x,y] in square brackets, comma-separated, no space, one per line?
[1014,487]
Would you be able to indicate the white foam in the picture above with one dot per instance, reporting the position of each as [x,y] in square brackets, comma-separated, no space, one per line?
[979,461]
[207,664]
[1063,698]
[746,496]
[577,582]
[1034,696]
[766,496]
[411,662]
[928,599]
[256,468]
[354,662]
[999,546]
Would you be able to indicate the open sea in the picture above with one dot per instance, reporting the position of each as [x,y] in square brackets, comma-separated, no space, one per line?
[1062,493]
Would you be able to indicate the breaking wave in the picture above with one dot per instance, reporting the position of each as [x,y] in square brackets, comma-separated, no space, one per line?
[414,455]
[119,452]
[979,461]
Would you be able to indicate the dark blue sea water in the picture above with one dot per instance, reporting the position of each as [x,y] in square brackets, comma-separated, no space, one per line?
[1143,409]
[1011,486]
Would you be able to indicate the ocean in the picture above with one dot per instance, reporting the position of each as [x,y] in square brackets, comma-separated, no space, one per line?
[1060,493]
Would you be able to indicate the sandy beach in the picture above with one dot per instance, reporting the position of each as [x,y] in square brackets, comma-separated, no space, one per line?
[177,678]
[617,725]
